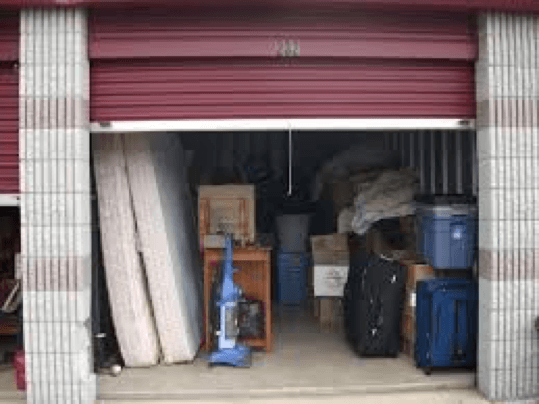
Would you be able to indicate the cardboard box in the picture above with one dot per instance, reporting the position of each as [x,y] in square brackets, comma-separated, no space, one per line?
[329,243]
[408,325]
[376,242]
[410,302]
[417,272]
[331,249]
[330,314]
[407,224]
[336,258]
[331,262]
[407,347]
[329,280]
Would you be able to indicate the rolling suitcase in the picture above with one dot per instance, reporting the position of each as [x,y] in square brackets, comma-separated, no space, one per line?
[352,291]
[373,307]
[446,325]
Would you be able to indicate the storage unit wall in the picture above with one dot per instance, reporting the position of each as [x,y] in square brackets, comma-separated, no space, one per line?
[446,159]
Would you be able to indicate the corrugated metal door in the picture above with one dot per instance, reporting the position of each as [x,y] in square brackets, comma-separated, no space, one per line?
[148,65]
[9,103]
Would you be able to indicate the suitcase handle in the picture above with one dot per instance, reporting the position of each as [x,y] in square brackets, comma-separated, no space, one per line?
[438,316]
[458,353]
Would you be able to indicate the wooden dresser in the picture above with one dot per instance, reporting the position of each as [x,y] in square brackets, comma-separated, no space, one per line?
[254,277]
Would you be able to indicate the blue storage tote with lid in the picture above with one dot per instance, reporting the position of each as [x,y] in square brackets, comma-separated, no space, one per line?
[448,233]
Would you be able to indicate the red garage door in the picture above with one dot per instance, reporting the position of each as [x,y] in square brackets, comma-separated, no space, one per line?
[9,101]
[155,65]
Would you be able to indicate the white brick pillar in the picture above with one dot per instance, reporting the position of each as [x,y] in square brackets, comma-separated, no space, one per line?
[55,205]
[507,80]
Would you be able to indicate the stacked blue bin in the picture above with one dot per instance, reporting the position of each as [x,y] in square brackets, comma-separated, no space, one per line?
[292,278]
[446,311]
[448,233]
[292,258]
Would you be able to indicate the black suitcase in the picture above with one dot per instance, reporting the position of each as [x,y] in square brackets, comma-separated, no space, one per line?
[352,291]
[373,306]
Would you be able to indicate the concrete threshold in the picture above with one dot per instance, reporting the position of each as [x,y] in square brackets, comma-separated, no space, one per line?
[358,391]
[459,396]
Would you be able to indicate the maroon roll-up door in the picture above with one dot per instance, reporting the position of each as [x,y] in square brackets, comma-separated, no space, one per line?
[149,65]
[9,103]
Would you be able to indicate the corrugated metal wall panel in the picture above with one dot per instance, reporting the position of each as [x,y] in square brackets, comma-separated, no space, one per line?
[157,33]
[168,90]
[441,156]
[9,102]
[9,128]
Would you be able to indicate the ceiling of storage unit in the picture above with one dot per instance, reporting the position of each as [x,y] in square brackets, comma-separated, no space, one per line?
[310,149]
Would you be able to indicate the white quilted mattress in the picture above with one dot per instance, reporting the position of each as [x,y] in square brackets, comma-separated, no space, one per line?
[131,311]
[163,211]
[168,280]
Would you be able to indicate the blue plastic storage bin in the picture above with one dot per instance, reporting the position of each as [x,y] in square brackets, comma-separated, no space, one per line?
[447,323]
[448,235]
[292,278]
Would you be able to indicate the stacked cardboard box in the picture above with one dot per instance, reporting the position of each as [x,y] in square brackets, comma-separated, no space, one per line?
[330,272]
[416,272]
[330,313]
[331,261]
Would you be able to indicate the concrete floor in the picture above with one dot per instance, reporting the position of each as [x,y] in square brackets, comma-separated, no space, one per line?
[304,363]
[8,389]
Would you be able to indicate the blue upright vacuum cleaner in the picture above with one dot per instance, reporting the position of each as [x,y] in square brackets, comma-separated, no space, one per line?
[226,305]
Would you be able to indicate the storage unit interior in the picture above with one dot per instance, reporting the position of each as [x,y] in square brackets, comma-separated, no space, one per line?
[304,357]
[11,338]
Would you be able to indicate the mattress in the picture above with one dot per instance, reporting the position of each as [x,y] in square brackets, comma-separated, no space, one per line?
[168,241]
[124,273]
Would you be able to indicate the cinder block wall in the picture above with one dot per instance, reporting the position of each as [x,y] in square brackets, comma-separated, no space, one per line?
[55,205]
[508,152]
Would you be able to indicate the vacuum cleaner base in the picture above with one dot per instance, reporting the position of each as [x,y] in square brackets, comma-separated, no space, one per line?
[239,356]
